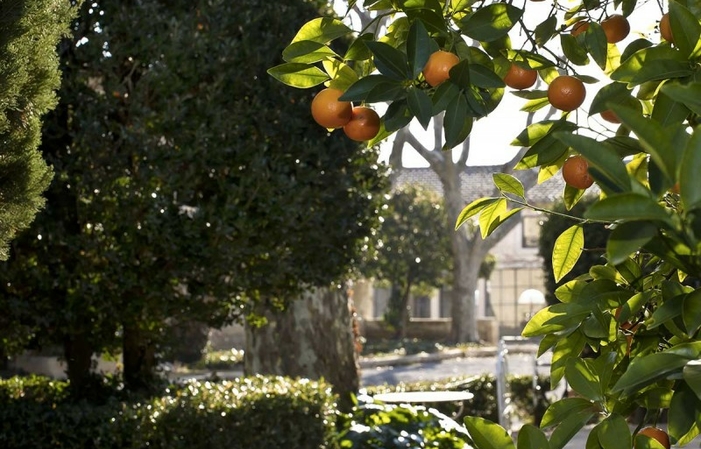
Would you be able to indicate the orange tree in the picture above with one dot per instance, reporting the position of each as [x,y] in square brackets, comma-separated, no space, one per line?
[639,311]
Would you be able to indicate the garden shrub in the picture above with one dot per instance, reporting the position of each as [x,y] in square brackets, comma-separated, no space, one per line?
[251,412]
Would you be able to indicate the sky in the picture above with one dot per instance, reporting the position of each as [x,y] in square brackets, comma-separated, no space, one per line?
[491,136]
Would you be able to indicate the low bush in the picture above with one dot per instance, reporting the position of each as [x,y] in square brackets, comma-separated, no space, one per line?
[270,412]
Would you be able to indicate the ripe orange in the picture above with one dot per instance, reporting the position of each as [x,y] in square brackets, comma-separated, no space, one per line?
[575,174]
[610,116]
[437,69]
[566,93]
[519,78]
[364,124]
[328,111]
[616,28]
[579,28]
[657,434]
[666,29]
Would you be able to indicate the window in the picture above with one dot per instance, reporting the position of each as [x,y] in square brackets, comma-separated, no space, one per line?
[530,230]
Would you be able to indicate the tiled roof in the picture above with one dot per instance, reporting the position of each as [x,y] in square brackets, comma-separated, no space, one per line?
[476,182]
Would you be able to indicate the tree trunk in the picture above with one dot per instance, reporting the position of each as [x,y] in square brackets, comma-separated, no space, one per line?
[312,339]
[404,311]
[139,359]
[78,352]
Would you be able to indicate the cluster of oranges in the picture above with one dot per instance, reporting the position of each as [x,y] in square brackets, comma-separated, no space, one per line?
[359,123]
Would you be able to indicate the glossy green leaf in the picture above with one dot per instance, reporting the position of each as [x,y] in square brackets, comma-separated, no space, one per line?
[685,29]
[652,63]
[635,304]
[397,116]
[628,207]
[611,93]
[508,184]
[689,179]
[322,30]
[531,437]
[691,312]
[418,47]
[307,52]
[558,411]
[646,370]
[687,94]
[420,105]
[358,51]
[583,380]
[484,77]
[491,214]
[491,22]
[545,30]
[568,347]
[684,415]
[667,111]
[444,94]
[573,50]
[298,75]
[568,248]
[555,318]
[568,428]
[488,435]
[613,433]
[569,291]
[460,74]
[371,87]
[595,40]
[627,238]
[692,376]
[473,209]
[669,310]
[389,61]
[457,123]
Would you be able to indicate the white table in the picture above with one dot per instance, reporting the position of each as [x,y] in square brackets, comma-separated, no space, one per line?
[421,397]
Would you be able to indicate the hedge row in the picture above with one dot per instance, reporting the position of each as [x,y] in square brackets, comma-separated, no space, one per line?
[270,412]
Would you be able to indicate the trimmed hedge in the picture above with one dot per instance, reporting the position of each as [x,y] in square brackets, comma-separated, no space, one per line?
[269,412]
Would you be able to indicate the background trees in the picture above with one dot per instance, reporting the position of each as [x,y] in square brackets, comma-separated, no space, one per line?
[187,184]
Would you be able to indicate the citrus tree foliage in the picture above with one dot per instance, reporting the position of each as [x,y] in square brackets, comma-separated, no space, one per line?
[186,182]
[29,77]
[409,249]
[639,310]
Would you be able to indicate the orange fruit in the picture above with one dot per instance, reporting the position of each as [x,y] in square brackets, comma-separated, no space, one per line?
[437,68]
[566,93]
[579,28]
[363,125]
[575,172]
[666,29]
[519,78]
[328,111]
[610,116]
[616,28]
[656,434]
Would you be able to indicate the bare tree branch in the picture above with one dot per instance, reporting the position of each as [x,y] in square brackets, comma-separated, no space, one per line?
[464,152]
[432,156]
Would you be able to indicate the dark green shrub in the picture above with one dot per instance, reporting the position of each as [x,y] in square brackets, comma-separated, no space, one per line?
[253,412]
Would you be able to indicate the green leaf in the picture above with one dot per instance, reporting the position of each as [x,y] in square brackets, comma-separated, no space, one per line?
[563,351]
[372,87]
[418,47]
[420,105]
[614,433]
[537,131]
[687,94]
[646,370]
[545,30]
[575,53]
[669,310]
[484,77]
[558,411]
[685,29]
[490,214]
[568,248]
[298,75]
[569,427]
[628,207]
[650,64]
[488,435]
[595,40]
[583,380]
[508,184]
[611,93]
[531,437]
[444,94]
[555,318]
[689,179]
[667,111]
[491,22]
[457,124]
[684,422]
[307,52]
[691,312]
[692,376]
[473,209]
[322,30]
[627,238]
[358,51]
[397,116]
[389,61]
[460,74]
